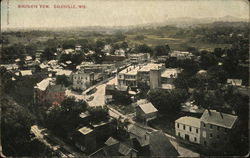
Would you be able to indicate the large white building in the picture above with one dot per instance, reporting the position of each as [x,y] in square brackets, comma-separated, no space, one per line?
[149,73]
[188,128]
[82,80]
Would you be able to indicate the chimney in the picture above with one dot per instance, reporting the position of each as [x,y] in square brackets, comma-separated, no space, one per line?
[221,115]
[209,112]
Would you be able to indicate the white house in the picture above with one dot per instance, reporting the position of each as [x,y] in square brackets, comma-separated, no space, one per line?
[188,128]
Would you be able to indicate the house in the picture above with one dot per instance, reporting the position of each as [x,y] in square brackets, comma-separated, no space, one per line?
[146,111]
[78,48]
[110,90]
[25,73]
[10,67]
[234,82]
[152,143]
[82,80]
[169,75]
[85,139]
[47,91]
[138,58]
[67,73]
[181,55]
[215,129]
[149,74]
[114,147]
[103,129]
[144,72]
[188,128]
[128,76]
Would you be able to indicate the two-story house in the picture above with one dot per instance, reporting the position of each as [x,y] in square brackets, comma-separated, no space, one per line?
[82,80]
[188,128]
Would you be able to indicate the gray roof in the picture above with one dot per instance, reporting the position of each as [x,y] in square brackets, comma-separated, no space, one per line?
[160,146]
[148,108]
[111,141]
[191,121]
[219,119]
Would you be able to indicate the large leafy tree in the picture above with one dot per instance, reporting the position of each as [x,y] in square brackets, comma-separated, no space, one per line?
[98,114]
[16,122]
[65,117]
[168,102]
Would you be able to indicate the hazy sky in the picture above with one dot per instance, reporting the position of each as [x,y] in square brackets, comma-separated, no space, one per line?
[115,12]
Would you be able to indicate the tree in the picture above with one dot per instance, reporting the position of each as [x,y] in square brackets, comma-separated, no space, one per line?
[168,102]
[16,123]
[98,114]
[143,49]
[144,88]
[65,117]
[161,50]
[48,53]
[207,60]
[121,98]
[62,79]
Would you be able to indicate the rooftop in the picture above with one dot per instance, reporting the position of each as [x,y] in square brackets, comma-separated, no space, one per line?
[64,72]
[148,108]
[85,130]
[160,146]
[167,86]
[43,84]
[150,66]
[131,70]
[28,58]
[218,118]
[67,51]
[235,82]
[170,73]
[191,121]
[111,141]
[26,72]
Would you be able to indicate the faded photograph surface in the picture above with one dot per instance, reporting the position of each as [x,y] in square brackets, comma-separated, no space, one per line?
[129,78]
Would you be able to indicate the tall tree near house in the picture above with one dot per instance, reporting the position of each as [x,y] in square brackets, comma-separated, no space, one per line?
[168,102]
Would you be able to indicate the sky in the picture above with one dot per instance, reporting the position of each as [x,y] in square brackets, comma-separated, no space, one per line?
[114,12]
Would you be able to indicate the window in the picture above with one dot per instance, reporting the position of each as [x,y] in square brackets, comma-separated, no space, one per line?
[190,129]
[179,134]
[205,143]
[218,128]
[218,136]
[178,126]
[195,139]
[184,127]
[204,134]
[197,130]
[204,125]
[211,126]
[225,129]
[211,135]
